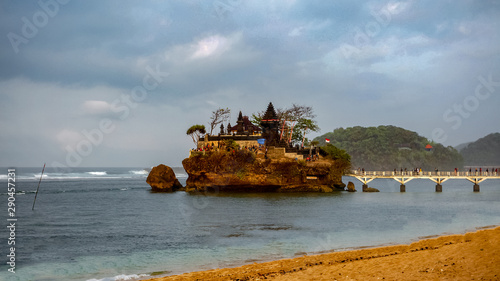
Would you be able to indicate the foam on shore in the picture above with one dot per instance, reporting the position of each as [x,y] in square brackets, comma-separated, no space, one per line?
[457,257]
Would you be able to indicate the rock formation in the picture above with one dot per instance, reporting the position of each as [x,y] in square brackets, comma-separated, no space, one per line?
[351,187]
[162,178]
[243,171]
[371,189]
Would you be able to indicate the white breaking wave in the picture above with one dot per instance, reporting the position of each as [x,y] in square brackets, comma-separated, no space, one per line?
[91,174]
[121,277]
[139,172]
[97,173]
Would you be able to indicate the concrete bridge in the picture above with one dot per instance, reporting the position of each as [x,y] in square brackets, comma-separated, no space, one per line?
[437,177]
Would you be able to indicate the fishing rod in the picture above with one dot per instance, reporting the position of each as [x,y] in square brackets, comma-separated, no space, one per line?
[38,187]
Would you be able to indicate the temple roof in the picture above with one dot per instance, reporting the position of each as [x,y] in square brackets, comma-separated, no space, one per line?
[270,114]
[247,125]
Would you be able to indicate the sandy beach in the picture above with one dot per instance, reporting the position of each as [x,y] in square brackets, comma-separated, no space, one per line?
[471,256]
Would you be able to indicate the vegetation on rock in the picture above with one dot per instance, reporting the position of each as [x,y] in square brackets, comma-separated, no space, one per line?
[340,156]
[196,131]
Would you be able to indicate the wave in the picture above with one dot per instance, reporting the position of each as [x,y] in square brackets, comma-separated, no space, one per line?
[121,277]
[97,173]
[139,172]
[60,190]
[181,175]
[80,174]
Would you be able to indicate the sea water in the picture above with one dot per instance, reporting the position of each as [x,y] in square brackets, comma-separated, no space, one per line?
[106,224]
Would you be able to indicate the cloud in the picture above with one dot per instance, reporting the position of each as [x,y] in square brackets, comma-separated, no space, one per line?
[212,45]
[67,138]
[398,7]
[309,27]
[96,107]
[80,68]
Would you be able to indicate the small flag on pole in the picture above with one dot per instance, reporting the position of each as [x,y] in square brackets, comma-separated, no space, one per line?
[327,140]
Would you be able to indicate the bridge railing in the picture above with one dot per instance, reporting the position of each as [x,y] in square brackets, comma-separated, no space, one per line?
[425,173]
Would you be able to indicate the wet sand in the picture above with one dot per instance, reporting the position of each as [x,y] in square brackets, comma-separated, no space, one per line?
[472,256]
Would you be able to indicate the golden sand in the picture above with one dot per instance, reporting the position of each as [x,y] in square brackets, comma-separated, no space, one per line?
[472,256]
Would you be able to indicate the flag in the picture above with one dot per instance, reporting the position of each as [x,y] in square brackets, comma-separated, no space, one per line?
[327,140]
[261,141]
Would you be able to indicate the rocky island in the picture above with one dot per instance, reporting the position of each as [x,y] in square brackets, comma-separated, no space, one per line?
[244,171]
[255,159]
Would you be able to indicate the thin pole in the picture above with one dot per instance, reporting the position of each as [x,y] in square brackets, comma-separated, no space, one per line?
[283,129]
[38,187]
[291,132]
[303,138]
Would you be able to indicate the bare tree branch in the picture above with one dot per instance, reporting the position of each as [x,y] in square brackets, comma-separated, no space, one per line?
[218,116]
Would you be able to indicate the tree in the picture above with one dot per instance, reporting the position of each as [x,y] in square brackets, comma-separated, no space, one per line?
[303,127]
[230,144]
[338,155]
[218,116]
[196,131]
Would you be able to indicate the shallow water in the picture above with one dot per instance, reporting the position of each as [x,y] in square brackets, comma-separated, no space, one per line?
[100,223]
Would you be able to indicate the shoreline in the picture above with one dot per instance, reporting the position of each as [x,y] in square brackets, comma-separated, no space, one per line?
[463,256]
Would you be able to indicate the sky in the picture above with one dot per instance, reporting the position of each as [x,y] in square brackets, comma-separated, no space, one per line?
[118,82]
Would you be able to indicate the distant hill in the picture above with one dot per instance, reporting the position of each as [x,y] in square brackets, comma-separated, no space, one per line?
[389,147]
[462,146]
[483,152]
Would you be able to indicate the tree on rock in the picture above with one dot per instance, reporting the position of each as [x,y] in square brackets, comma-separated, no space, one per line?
[218,116]
[196,131]
[338,155]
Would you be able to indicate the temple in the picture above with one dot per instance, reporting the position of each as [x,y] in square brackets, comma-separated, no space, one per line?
[244,133]
[270,127]
[249,136]
[244,127]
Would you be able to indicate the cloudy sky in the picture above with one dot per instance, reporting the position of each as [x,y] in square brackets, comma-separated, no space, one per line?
[117,83]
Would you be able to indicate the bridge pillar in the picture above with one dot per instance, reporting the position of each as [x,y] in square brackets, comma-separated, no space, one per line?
[402,188]
[365,186]
[476,187]
[439,188]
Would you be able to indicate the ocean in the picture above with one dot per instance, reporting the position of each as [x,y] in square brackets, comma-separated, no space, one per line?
[106,224]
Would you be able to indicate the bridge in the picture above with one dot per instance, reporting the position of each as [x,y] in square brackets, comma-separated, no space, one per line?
[438,177]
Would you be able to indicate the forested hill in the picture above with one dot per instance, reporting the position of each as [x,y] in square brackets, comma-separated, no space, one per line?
[483,152]
[389,147]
